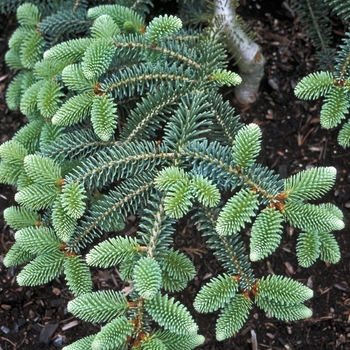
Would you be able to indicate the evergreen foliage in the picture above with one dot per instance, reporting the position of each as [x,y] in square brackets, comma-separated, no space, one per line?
[19,217]
[238,210]
[147,277]
[172,315]
[282,296]
[313,15]
[265,234]
[126,119]
[233,316]
[77,275]
[247,145]
[99,306]
[308,248]
[216,294]
[113,335]
[331,82]
[310,184]
[340,8]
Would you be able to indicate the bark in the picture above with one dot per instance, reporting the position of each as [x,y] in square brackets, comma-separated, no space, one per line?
[248,54]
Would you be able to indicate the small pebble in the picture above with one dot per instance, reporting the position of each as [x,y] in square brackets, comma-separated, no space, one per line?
[58,343]
[15,328]
[273,83]
[5,330]
[21,321]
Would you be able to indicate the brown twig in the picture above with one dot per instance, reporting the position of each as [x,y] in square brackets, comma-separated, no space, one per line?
[24,339]
[8,340]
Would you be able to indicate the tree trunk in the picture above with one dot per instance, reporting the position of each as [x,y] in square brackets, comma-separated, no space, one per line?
[248,54]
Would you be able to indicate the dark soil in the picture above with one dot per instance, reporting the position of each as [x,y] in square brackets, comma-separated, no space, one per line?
[37,318]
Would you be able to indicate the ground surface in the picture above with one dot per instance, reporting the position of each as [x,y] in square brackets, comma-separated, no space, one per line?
[36,318]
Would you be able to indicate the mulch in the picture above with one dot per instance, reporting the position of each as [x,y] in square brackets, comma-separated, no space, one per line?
[37,317]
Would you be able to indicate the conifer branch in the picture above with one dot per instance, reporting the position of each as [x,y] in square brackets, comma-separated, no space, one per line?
[128,120]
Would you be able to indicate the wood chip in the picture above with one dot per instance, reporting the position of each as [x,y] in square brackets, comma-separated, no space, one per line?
[289,268]
[4,77]
[269,116]
[310,281]
[47,332]
[342,338]
[70,325]
[269,268]
[208,275]
[127,290]
[56,291]
[254,340]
